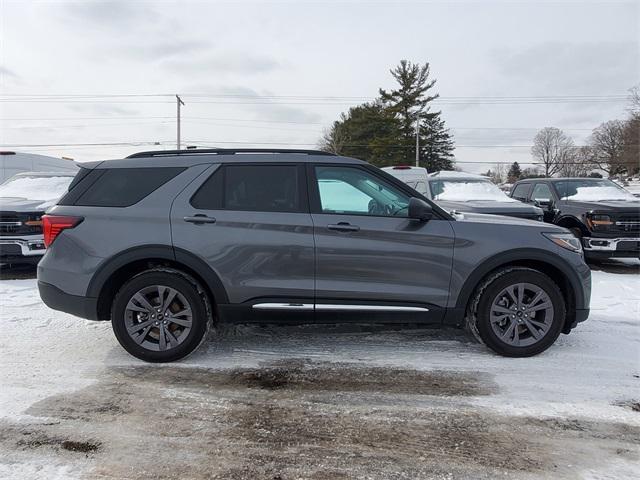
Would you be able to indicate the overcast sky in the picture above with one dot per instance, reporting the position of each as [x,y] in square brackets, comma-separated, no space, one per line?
[297,54]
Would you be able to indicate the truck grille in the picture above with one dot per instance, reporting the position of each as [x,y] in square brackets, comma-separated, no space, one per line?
[626,222]
[12,223]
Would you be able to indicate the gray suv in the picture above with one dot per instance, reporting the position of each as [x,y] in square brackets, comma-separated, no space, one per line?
[166,243]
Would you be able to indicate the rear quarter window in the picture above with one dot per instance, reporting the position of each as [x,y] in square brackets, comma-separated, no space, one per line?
[117,187]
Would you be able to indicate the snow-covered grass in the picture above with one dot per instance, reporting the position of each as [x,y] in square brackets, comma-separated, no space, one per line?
[591,375]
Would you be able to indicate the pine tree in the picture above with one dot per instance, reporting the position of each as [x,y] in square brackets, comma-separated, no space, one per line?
[369,132]
[409,102]
[436,145]
[514,173]
[383,132]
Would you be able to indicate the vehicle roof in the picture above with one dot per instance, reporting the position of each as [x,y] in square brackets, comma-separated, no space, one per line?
[558,179]
[188,158]
[444,174]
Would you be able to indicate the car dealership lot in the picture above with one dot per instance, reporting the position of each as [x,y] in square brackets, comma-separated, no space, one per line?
[320,402]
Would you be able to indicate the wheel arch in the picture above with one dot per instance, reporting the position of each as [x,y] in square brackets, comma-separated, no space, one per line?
[113,273]
[570,221]
[551,265]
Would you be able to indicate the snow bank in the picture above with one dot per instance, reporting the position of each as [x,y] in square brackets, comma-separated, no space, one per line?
[36,188]
[467,191]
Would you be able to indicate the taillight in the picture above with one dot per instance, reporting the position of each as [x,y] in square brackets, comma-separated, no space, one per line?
[54,224]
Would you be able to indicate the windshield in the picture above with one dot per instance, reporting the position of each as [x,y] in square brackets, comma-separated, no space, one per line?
[592,190]
[35,187]
[467,190]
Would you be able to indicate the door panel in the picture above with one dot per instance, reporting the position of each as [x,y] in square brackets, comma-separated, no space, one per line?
[367,250]
[255,254]
[387,259]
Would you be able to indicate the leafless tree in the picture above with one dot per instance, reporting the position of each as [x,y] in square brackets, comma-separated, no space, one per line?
[631,148]
[579,164]
[498,174]
[634,100]
[552,148]
[332,140]
[607,146]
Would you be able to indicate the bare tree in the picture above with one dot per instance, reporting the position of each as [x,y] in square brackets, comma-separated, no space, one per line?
[553,148]
[634,100]
[332,140]
[630,158]
[579,163]
[498,174]
[607,147]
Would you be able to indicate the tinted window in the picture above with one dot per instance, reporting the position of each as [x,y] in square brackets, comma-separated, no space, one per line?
[520,191]
[122,187]
[355,191]
[541,192]
[260,188]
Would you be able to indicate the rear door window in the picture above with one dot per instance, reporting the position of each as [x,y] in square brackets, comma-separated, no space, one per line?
[259,188]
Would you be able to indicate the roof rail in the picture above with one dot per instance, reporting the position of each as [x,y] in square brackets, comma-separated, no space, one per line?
[225,151]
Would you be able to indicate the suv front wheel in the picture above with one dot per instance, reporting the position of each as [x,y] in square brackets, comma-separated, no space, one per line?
[518,312]
[159,316]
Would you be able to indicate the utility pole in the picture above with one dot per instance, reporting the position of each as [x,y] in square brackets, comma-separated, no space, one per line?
[178,102]
[418,141]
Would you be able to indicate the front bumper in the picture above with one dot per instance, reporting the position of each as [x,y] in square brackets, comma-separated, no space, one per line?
[622,246]
[26,246]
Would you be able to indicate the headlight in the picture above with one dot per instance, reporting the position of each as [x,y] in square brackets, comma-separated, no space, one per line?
[565,240]
[599,221]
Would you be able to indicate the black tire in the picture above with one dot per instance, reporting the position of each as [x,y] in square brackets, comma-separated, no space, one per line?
[490,291]
[187,292]
[577,232]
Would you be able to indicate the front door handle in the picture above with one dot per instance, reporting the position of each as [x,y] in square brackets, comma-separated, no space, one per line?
[199,218]
[343,227]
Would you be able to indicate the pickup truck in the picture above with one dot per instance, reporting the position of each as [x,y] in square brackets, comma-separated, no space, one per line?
[23,200]
[463,192]
[602,214]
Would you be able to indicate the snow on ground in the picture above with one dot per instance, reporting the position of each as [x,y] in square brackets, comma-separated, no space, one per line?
[320,402]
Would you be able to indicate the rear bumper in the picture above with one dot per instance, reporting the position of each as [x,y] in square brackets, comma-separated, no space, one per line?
[53,297]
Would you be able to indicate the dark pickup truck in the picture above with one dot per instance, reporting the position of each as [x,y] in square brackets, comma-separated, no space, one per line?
[604,215]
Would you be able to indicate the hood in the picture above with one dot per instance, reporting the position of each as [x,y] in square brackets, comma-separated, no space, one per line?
[16,204]
[606,206]
[502,220]
[496,208]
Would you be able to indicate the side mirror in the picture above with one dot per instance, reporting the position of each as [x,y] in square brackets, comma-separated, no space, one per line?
[420,210]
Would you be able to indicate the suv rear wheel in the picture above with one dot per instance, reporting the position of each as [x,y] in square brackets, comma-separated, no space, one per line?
[519,312]
[159,316]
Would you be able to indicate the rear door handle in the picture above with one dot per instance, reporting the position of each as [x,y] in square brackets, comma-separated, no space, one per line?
[199,218]
[343,227]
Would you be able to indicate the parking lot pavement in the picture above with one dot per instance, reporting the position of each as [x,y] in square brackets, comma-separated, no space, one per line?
[319,402]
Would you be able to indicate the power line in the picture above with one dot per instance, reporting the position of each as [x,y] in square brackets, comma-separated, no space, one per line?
[246,120]
[244,99]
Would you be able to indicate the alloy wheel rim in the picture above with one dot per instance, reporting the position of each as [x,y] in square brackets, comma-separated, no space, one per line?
[521,314]
[158,318]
